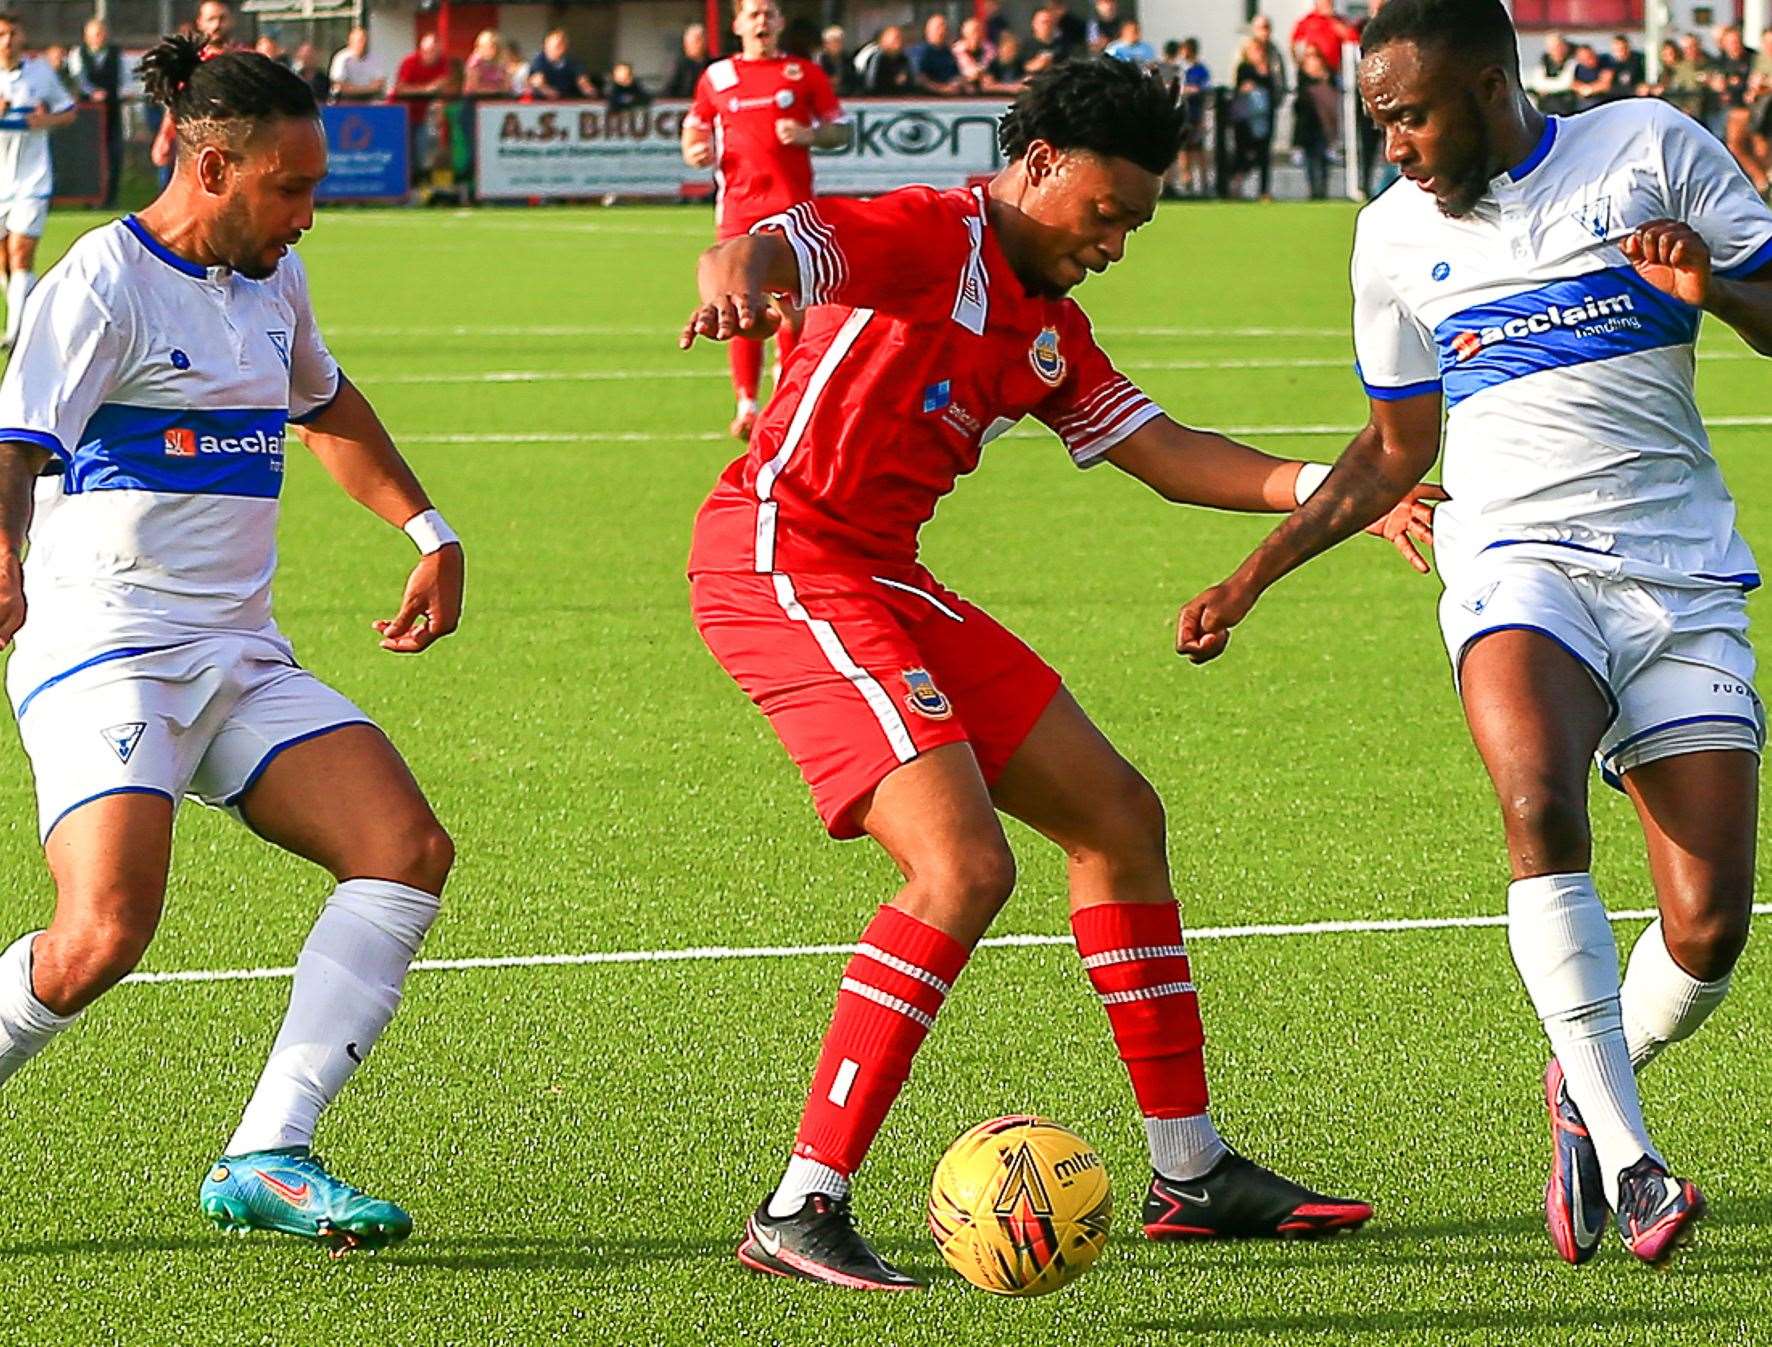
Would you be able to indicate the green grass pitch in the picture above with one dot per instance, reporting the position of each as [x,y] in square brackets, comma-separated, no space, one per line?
[579,1145]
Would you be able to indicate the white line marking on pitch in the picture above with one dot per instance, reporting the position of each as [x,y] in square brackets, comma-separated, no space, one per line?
[663,330]
[711,953]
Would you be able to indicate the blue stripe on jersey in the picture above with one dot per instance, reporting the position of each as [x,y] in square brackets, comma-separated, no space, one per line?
[14,117]
[1759,257]
[42,439]
[160,250]
[1570,322]
[180,452]
[1546,138]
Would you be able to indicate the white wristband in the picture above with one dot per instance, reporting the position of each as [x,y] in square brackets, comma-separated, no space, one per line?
[1310,477]
[430,532]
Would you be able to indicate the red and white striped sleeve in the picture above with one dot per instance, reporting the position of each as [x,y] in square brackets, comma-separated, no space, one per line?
[898,253]
[1096,406]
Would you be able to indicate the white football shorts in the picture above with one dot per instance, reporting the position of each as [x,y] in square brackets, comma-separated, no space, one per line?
[203,718]
[1673,661]
[25,215]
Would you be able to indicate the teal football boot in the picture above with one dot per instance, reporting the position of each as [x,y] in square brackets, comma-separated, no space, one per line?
[290,1191]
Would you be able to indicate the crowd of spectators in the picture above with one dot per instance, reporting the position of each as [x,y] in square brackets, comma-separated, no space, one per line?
[1728,88]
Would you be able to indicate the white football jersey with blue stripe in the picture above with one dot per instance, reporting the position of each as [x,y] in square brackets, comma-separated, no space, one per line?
[30,86]
[163,391]
[1571,427]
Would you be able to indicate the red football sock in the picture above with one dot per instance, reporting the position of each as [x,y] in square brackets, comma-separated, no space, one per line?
[886,1004]
[1138,964]
[746,359]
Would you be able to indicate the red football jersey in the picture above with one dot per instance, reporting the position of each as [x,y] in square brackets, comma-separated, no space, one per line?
[740,101]
[920,347]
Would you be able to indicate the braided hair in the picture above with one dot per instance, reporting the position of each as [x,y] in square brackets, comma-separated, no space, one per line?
[222,97]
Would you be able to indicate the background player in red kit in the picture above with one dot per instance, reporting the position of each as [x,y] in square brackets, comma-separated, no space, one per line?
[936,320]
[756,118]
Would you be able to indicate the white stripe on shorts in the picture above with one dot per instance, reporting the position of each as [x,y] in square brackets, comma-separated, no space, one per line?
[878,699]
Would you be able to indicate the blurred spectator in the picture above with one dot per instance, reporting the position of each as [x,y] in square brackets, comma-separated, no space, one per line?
[271,49]
[1194,81]
[1590,80]
[306,63]
[626,91]
[691,61]
[1260,84]
[996,23]
[933,67]
[1131,46]
[1629,73]
[516,70]
[97,67]
[882,64]
[1048,45]
[1104,25]
[1071,28]
[1552,83]
[215,25]
[1007,71]
[214,28]
[1761,92]
[354,75]
[1326,32]
[1732,76]
[484,75]
[556,73]
[834,59]
[1685,80]
[1316,119]
[55,56]
[422,75]
[974,53]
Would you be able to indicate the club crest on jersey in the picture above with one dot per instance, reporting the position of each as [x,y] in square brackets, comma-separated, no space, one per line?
[280,339]
[792,71]
[124,738]
[1045,357]
[924,697]
[179,442]
[1595,217]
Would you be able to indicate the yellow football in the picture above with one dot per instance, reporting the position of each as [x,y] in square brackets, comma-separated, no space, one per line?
[1020,1206]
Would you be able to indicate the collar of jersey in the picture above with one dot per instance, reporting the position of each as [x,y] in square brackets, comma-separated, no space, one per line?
[160,250]
[1546,139]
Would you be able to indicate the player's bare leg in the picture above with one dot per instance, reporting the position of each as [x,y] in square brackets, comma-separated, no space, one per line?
[21,259]
[933,815]
[1537,715]
[108,859]
[1070,784]
[370,827]
[745,359]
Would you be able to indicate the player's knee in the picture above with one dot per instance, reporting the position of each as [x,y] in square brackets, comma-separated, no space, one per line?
[417,851]
[1707,937]
[1128,828]
[73,968]
[1547,825]
[976,879]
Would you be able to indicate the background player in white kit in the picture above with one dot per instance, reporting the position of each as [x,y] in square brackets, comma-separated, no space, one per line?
[1544,280]
[32,103]
[147,404]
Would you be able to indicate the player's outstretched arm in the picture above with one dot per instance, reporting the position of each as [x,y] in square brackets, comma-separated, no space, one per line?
[1202,467]
[1674,258]
[1376,472]
[19,465]
[735,279]
[355,449]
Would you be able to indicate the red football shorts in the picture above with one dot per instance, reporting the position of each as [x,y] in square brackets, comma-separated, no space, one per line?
[859,675]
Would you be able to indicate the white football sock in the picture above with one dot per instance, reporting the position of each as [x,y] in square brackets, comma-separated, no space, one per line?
[347,986]
[1662,1002]
[26,1024]
[18,286]
[1184,1148]
[1562,944]
[804,1178]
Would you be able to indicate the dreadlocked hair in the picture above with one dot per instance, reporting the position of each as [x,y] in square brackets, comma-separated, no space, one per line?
[1106,106]
[224,96]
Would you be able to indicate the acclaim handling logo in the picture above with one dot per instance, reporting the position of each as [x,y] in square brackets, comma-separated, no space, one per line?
[180,443]
[1591,317]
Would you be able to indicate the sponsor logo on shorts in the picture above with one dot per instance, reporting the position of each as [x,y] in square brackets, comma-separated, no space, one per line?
[924,697]
[124,738]
[1045,357]
[1480,600]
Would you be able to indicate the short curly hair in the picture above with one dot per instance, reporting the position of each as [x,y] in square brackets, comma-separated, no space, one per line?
[1106,106]
[1475,30]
